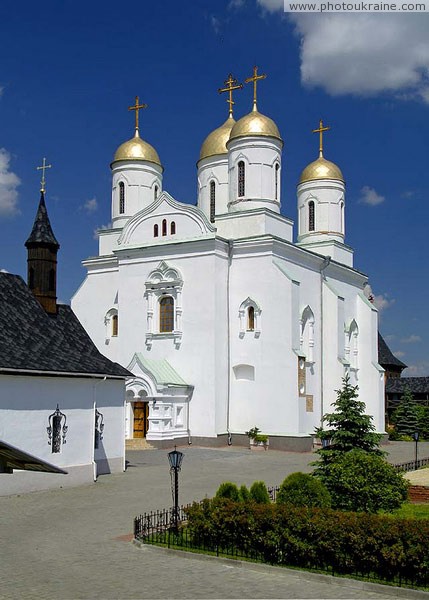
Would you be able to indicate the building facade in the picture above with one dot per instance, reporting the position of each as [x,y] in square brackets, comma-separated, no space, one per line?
[225,321]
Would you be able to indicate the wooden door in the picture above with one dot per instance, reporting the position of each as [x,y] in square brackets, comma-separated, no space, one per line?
[141,413]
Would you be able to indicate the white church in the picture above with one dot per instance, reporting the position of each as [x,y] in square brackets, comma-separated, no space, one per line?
[225,321]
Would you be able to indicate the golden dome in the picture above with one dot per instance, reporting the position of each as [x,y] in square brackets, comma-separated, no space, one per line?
[255,124]
[215,142]
[137,149]
[321,169]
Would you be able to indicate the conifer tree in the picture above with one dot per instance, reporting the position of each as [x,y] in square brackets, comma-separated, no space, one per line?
[407,416]
[348,428]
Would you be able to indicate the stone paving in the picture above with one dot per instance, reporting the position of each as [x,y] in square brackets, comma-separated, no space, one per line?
[75,542]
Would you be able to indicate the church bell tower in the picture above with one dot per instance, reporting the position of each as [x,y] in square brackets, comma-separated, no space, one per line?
[42,248]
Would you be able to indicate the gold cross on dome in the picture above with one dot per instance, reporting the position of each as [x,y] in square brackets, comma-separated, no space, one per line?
[230,84]
[137,107]
[255,78]
[320,132]
[43,169]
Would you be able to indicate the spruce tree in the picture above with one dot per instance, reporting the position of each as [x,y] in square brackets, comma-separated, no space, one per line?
[348,428]
[407,416]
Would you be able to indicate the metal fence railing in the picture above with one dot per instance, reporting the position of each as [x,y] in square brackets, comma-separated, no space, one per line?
[160,528]
[412,465]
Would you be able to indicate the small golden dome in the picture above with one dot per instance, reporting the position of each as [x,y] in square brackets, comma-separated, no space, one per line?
[255,124]
[321,169]
[215,142]
[137,149]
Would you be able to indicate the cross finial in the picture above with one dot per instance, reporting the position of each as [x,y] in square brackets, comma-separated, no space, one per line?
[137,107]
[320,132]
[43,169]
[230,84]
[255,78]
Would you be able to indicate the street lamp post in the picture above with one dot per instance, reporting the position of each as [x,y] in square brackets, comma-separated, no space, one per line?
[175,459]
[416,439]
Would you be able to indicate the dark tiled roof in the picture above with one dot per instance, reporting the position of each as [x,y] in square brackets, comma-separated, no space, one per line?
[385,356]
[418,385]
[30,339]
[42,230]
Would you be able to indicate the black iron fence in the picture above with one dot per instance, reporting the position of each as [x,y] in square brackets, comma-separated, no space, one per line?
[160,528]
[412,465]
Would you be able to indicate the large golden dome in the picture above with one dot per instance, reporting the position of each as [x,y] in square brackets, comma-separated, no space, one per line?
[321,169]
[255,124]
[215,142]
[137,149]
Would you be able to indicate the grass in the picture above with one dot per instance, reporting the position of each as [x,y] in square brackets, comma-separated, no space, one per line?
[412,511]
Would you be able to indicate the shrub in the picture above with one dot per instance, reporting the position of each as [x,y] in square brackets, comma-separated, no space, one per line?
[377,545]
[259,493]
[364,482]
[244,494]
[228,490]
[302,489]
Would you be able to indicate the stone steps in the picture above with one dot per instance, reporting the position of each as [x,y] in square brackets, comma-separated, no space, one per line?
[138,444]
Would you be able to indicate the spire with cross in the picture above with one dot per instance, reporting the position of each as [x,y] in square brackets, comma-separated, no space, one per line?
[43,168]
[136,107]
[255,78]
[320,131]
[230,84]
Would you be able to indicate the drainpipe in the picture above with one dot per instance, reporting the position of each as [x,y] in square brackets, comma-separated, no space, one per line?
[230,249]
[94,407]
[324,265]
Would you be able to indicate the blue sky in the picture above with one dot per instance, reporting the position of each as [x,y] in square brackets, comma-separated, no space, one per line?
[69,70]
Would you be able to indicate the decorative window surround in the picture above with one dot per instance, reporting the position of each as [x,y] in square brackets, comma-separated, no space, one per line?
[108,322]
[351,346]
[163,281]
[307,335]
[243,316]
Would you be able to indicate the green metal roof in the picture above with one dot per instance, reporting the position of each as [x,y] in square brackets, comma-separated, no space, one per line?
[161,370]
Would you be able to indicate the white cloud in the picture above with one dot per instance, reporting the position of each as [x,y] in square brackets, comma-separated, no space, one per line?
[1,90]
[409,194]
[370,196]
[8,184]
[421,369]
[399,354]
[3,271]
[215,23]
[412,339]
[271,5]
[95,234]
[90,206]
[382,301]
[236,4]
[362,54]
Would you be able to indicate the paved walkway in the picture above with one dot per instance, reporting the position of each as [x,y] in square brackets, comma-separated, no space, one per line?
[75,543]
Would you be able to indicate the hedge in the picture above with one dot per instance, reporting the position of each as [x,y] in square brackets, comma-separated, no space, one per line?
[377,546]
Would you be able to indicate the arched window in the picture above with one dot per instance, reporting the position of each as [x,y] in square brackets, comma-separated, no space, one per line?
[241,179]
[276,181]
[52,280]
[250,319]
[155,192]
[166,314]
[311,219]
[173,228]
[31,278]
[352,345]
[155,230]
[307,334]
[342,216]
[164,227]
[114,325]
[212,201]
[121,197]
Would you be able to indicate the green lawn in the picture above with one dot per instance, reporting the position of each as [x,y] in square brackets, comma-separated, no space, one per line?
[416,511]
